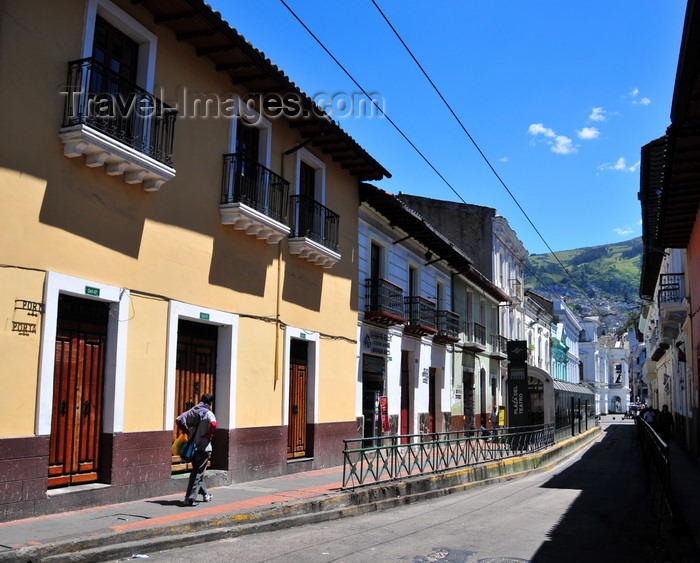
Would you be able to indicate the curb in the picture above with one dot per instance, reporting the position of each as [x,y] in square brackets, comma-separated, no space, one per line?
[370,498]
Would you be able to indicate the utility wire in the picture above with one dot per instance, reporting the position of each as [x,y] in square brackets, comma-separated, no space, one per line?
[420,153]
[481,153]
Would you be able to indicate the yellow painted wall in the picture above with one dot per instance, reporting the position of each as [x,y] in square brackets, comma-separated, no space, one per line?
[19,354]
[146,354]
[59,215]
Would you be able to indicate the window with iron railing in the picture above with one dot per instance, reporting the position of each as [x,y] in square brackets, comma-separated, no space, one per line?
[248,182]
[447,323]
[383,298]
[314,221]
[475,332]
[671,288]
[106,102]
[421,312]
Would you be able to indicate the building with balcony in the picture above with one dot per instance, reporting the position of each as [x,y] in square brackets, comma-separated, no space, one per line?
[165,235]
[428,333]
[670,202]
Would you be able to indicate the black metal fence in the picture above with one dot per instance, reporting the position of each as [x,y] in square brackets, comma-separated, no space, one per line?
[314,221]
[385,458]
[249,182]
[657,472]
[100,98]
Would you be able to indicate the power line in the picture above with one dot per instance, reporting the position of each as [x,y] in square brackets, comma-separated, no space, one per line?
[420,153]
[481,153]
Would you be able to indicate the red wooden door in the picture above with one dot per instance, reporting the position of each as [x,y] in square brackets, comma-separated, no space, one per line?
[298,375]
[405,398]
[432,414]
[296,443]
[195,368]
[81,337]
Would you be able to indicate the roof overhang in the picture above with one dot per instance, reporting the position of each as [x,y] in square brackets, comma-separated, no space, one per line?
[400,215]
[195,23]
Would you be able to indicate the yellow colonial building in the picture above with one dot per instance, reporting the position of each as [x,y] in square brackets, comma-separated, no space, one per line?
[177,217]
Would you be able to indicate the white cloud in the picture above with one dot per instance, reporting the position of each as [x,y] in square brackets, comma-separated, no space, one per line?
[588,133]
[537,128]
[625,231]
[504,159]
[597,114]
[558,143]
[644,101]
[563,145]
[620,164]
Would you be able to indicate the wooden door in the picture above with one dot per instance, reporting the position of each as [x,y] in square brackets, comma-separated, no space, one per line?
[76,416]
[298,376]
[195,369]
[432,403]
[405,398]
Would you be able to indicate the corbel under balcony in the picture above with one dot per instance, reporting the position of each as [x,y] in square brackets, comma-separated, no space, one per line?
[253,222]
[314,252]
[117,158]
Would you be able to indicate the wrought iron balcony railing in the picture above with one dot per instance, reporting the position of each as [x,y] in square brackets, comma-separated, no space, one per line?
[250,183]
[108,103]
[499,345]
[384,302]
[310,219]
[422,315]
[671,288]
[447,326]
[475,333]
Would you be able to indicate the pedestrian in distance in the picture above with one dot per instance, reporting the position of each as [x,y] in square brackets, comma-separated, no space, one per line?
[493,417]
[199,423]
[664,424]
[649,416]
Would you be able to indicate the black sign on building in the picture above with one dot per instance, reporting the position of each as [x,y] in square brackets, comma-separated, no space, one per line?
[518,399]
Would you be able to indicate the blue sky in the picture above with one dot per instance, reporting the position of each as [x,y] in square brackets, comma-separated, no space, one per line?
[559,95]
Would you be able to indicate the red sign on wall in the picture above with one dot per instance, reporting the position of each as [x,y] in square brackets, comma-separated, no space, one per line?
[384,409]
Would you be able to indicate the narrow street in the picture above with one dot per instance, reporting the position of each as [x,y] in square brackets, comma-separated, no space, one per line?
[592,507]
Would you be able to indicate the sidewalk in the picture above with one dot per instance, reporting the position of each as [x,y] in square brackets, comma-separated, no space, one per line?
[145,526]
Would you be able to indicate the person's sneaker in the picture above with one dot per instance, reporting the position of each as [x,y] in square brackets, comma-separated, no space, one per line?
[191,502]
[207,497]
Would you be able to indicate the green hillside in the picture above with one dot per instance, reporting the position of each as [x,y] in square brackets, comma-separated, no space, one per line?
[605,279]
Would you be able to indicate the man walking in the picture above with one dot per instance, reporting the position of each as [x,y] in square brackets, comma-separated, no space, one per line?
[199,423]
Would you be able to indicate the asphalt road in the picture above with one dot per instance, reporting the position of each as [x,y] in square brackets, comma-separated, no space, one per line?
[591,508]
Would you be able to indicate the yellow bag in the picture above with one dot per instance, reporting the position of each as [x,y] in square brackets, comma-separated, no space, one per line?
[177,444]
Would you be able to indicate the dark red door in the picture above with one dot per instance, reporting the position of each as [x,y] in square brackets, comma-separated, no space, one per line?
[76,419]
[431,401]
[405,398]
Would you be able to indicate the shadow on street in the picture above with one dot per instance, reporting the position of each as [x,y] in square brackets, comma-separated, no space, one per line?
[611,520]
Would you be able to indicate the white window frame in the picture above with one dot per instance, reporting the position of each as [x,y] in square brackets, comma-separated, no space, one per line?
[147,41]
[259,122]
[303,155]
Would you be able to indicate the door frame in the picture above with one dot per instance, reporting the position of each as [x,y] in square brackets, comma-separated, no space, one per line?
[226,361]
[313,339]
[115,354]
